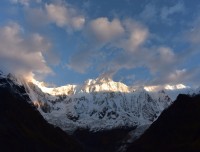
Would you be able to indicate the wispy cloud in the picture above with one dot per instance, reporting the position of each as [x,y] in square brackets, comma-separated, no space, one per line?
[166,12]
[25,2]
[149,13]
[154,12]
[136,35]
[83,59]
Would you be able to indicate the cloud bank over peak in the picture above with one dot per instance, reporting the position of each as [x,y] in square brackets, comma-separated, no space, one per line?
[126,35]
[131,48]
[156,43]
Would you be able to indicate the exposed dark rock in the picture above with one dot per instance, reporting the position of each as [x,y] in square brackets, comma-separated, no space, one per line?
[176,130]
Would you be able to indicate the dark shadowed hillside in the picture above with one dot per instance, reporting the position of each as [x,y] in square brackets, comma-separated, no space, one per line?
[22,128]
[103,141]
[176,130]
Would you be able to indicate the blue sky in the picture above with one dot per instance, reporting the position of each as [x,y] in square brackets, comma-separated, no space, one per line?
[138,42]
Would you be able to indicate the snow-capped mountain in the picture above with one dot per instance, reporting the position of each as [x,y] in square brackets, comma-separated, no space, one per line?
[100,104]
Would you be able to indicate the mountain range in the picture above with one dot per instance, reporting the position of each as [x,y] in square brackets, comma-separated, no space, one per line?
[100,104]
[100,115]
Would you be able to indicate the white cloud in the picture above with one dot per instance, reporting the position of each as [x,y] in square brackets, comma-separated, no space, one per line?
[129,35]
[161,61]
[130,39]
[157,88]
[57,14]
[104,30]
[21,54]
[179,76]
[99,32]
[64,16]
[61,14]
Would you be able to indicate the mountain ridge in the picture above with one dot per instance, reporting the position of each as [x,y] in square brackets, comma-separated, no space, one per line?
[101,84]
[22,127]
[125,115]
[111,108]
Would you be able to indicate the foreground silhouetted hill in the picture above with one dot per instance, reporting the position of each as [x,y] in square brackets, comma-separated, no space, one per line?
[22,128]
[176,130]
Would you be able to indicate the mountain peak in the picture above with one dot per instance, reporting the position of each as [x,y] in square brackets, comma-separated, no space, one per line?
[102,84]
[99,80]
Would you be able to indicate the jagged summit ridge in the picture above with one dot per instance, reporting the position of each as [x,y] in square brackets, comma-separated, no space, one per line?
[91,85]
[104,84]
